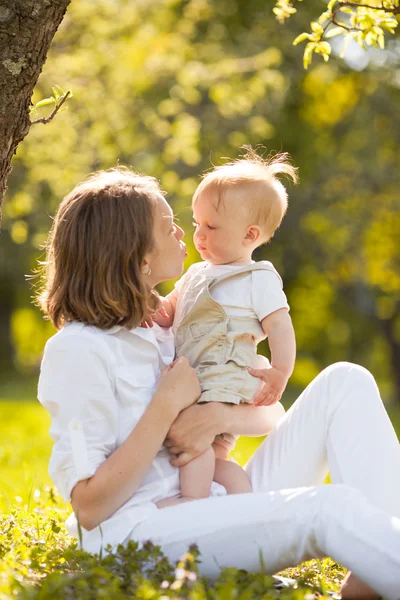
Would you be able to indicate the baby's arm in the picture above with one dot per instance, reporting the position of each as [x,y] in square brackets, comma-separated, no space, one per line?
[165,315]
[279,329]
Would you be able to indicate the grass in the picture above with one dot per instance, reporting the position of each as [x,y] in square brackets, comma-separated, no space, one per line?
[39,560]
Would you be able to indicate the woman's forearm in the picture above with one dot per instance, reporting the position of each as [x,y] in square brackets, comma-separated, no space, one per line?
[249,420]
[119,476]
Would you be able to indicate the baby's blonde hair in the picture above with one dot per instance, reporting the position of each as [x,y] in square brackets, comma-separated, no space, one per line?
[254,180]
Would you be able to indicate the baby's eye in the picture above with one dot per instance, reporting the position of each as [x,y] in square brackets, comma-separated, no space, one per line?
[210,227]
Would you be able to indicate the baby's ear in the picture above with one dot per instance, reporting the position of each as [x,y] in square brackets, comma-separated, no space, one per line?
[253,235]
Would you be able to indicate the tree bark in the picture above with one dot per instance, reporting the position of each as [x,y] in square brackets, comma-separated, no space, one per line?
[27,28]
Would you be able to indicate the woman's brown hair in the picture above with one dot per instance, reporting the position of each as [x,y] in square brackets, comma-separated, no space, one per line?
[101,233]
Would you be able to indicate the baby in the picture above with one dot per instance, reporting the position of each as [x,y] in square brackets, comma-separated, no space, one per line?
[222,307]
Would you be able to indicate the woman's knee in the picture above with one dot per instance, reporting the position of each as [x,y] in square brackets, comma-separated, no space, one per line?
[352,373]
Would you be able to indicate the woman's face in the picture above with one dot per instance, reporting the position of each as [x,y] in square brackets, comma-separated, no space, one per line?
[166,260]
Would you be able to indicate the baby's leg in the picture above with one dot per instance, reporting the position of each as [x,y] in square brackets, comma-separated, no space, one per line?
[232,477]
[195,479]
[222,447]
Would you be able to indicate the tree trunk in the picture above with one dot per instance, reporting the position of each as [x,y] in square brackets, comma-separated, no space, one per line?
[27,28]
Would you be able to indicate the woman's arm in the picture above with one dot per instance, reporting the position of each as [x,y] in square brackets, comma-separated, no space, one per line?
[195,428]
[119,476]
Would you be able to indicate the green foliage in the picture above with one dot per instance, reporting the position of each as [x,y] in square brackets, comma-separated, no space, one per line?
[24,450]
[39,561]
[366,23]
[172,87]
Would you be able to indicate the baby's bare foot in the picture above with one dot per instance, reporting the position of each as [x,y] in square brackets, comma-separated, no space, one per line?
[355,589]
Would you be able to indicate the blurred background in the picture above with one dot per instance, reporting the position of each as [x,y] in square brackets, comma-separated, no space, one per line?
[170,87]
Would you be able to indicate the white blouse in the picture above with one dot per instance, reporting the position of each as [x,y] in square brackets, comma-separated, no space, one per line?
[96,384]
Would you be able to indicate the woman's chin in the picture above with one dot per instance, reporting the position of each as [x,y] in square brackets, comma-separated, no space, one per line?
[175,273]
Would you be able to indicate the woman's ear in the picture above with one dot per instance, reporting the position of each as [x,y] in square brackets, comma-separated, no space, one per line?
[146,267]
[252,236]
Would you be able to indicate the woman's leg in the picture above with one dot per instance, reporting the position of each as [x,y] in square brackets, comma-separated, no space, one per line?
[338,423]
[284,528]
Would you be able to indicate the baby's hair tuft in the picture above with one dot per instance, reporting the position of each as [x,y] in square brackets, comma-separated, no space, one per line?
[255,180]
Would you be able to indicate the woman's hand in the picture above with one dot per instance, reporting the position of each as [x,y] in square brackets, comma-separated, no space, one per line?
[178,385]
[193,432]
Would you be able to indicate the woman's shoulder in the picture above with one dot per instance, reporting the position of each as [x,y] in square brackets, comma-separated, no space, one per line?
[78,337]
[76,352]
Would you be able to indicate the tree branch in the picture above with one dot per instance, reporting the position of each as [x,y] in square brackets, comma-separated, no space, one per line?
[395,10]
[55,111]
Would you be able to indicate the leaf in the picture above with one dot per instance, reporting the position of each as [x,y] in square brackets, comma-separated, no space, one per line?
[325,47]
[333,32]
[316,27]
[57,91]
[388,27]
[45,102]
[324,16]
[307,58]
[301,38]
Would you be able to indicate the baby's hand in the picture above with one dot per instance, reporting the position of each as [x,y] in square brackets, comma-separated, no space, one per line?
[161,317]
[274,385]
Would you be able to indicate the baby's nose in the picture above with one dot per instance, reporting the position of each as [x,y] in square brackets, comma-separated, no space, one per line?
[179,232]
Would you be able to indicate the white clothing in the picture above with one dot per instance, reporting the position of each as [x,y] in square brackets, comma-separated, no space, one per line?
[330,425]
[96,385]
[255,294]
[100,382]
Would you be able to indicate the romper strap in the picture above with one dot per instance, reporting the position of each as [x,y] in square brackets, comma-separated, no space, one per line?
[264,265]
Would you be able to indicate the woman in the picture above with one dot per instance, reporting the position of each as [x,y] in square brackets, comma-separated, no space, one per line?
[121,406]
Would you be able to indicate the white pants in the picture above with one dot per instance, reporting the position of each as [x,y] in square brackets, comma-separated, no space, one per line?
[338,424]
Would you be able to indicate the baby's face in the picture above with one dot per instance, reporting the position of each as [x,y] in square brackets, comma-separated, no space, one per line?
[220,234]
